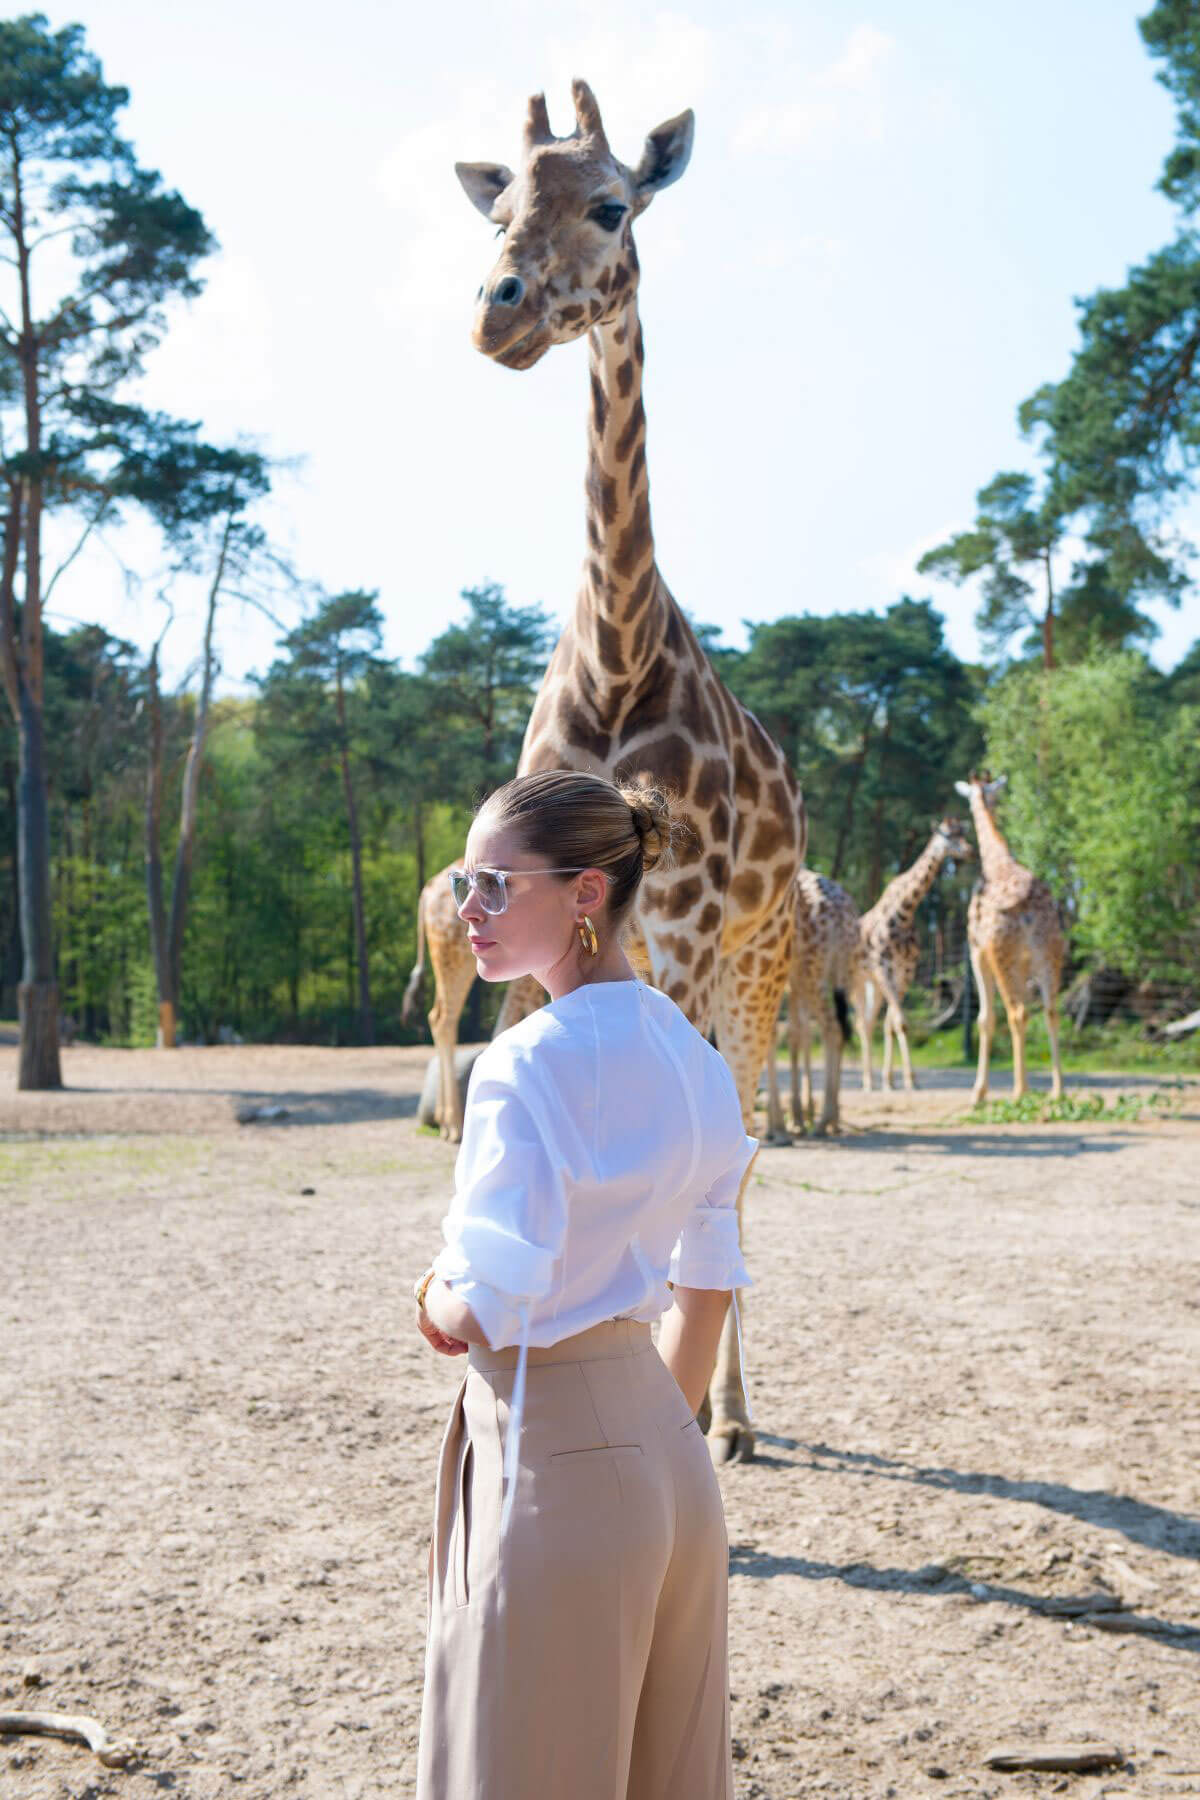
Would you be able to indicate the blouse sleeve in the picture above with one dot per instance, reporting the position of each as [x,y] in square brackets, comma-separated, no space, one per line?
[506,1225]
[707,1251]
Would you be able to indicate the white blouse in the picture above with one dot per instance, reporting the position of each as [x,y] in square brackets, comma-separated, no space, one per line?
[602,1155]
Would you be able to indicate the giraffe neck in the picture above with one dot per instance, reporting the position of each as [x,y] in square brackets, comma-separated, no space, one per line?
[908,890]
[616,617]
[995,857]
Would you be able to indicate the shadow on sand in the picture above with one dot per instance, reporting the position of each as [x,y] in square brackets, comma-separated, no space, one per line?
[1154,1527]
[280,1107]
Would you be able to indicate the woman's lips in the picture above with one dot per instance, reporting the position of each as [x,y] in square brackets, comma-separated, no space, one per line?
[478,944]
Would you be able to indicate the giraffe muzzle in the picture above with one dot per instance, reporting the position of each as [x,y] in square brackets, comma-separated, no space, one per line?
[517,341]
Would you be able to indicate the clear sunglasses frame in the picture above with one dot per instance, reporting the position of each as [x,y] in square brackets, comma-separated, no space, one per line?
[465,881]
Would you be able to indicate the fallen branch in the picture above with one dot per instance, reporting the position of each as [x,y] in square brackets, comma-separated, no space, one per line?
[1063,1757]
[76,1727]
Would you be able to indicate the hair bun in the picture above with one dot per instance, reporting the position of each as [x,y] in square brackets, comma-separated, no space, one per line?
[650,809]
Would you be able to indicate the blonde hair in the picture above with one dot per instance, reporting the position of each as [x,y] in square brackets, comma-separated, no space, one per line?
[579,821]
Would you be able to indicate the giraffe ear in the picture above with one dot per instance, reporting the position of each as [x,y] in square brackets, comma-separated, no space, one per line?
[997,786]
[963,788]
[485,185]
[665,157]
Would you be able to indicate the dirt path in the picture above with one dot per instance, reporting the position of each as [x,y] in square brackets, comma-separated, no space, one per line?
[973,1361]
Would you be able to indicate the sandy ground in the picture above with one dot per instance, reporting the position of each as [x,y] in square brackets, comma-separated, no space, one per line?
[973,1362]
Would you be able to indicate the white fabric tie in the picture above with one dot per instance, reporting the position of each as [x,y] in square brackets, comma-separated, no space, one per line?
[512,1447]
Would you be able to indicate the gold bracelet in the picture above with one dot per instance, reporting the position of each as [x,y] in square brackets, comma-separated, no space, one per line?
[421,1287]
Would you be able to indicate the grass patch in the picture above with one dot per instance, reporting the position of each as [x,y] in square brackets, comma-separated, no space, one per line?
[1073,1109]
[1096,1050]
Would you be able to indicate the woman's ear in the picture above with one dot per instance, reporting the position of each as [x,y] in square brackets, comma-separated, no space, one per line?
[591,890]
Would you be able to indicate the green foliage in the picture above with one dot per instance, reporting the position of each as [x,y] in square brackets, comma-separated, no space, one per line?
[1122,429]
[1171,32]
[482,676]
[874,712]
[1071,1109]
[1104,802]
[1012,533]
[68,176]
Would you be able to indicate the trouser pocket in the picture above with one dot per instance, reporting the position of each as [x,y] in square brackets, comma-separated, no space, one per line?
[462,1525]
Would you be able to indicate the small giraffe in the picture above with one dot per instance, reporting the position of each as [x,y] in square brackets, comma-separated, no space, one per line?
[889,950]
[1014,935]
[824,972]
[629,692]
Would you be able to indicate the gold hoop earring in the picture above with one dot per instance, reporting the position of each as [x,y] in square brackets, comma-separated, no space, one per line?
[587,936]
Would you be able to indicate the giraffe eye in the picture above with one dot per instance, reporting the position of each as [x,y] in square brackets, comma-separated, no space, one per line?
[609,214]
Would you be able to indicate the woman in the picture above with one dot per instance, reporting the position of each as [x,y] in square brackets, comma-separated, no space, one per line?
[579,1566]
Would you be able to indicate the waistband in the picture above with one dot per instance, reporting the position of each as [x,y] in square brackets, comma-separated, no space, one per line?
[613,1337]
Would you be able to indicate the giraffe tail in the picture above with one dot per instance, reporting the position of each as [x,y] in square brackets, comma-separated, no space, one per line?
[413,1001]
[843,1013]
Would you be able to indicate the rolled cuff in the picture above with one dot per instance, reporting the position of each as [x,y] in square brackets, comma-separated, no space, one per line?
[482,1249]
[708,1253]
[498,1314]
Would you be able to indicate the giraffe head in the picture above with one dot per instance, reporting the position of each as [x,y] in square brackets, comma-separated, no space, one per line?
[981,785]
[568,260]
[953,836]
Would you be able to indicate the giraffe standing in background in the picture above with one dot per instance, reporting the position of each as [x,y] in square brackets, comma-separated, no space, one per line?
[824,971]
[1014,936]
[629,692]
[889,951]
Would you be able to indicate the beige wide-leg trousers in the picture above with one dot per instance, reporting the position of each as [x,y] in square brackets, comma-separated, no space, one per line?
[585,1657]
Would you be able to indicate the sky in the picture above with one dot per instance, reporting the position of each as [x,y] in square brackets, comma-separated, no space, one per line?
[871,260]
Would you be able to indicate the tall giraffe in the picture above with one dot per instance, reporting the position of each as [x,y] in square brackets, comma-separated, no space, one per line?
[629,691]
[1014,936]
[889,950]
[823,973]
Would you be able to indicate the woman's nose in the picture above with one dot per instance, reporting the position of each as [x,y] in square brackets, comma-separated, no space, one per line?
[470,910]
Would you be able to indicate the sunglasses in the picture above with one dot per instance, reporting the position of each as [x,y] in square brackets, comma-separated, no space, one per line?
[491,885]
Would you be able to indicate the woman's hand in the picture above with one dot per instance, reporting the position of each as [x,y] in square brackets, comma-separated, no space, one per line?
[442,1342]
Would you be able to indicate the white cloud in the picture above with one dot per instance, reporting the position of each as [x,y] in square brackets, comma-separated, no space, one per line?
[844,99]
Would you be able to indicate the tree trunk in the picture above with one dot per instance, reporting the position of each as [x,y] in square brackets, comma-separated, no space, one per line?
[21,665]
[181,879]
[875,884]
[154,869]
[1048,621]
[367,1021]
[860,763]
[37,996]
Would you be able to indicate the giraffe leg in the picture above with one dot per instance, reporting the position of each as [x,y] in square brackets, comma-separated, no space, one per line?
[453,986]
[1050,1001]
[885,1076]
[1048,977]
[775,1123]
[797,1026]
[987,1022]
[901,1031]
[1018,1020]
[806,1091]
[868,1004]
[453,973]
[831,1045]
[749,989]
